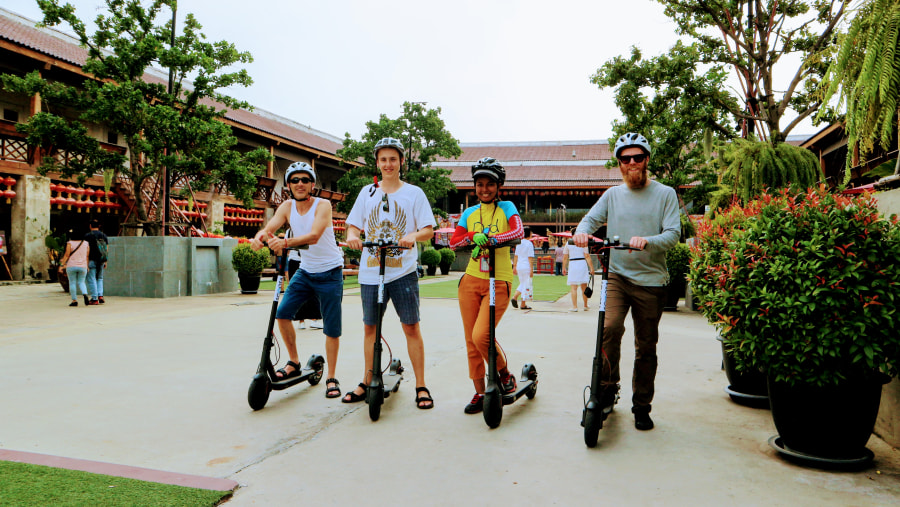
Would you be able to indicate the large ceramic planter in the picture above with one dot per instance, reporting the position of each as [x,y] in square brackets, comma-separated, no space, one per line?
[674,291]
[826,426]
[249,283]
[431,270]
[445,269]
[744,387]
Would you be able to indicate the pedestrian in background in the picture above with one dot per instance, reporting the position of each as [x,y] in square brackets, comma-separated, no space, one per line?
[75,262]
[98,245]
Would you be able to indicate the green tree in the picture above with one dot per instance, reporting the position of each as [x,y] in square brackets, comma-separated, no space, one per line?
[866,72]
[751,37]
[180,130]
[425,137]
[674,102]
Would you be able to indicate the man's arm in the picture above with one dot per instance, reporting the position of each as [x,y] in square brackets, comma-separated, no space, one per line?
[592,221]
[267,233]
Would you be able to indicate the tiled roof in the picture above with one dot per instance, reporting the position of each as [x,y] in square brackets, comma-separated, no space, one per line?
[56,44]
[537,151]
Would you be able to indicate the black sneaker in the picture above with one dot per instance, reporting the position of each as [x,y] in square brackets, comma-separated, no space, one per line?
[508,384]
[642,421]
[476,405]
[87,301]
[73,303]
[100,299]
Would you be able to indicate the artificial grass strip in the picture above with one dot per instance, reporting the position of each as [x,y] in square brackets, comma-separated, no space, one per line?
[23,485]
[349,283]
[546,288]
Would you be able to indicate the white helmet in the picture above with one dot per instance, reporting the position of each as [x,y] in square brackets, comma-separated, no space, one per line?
[389,142]
[299,167]
[629,140]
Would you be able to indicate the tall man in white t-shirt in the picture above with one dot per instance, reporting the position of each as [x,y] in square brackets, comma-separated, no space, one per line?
[321,268]
[394,211]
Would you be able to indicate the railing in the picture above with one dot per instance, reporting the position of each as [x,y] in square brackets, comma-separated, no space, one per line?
[12,144]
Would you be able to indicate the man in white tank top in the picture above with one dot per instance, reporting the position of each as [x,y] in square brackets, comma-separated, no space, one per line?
[321,268]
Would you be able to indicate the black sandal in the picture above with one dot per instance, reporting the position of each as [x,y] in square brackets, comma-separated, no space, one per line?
[352,397]
[334,391]
[424,398]
[285,375]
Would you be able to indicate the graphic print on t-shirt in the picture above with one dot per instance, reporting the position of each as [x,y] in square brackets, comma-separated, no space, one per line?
[380,228]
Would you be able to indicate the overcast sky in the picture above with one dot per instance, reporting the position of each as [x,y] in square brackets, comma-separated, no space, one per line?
[513,70]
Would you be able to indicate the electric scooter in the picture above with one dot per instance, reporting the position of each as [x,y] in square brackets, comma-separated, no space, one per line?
[265,380]
[381,386]
[594,414]
[494,397]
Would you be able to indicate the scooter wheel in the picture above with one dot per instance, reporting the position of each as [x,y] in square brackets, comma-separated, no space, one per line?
[493,409]
[529,372]
[258,394]
[592,423]
[375,398]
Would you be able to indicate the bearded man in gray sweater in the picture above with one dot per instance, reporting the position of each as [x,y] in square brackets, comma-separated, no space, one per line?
[645,212]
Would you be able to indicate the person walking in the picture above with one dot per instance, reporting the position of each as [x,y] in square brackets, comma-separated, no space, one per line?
[494,221]
[397,212]
[523,267]
[75,262]
[97,257]
[559,255]
[646,212]
[320,273]
[579,268]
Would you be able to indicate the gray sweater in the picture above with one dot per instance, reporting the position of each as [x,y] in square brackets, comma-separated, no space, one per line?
[650,212]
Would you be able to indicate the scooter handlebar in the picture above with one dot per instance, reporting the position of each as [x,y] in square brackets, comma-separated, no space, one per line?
[613,243]
[383,244]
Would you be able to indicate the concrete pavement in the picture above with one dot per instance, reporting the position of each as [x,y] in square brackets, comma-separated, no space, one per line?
[162,383]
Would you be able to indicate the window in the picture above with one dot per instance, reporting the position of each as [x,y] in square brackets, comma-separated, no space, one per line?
[112,137]
[10,115]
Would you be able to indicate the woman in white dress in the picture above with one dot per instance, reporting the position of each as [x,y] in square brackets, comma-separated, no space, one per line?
[577,265]
[523,267]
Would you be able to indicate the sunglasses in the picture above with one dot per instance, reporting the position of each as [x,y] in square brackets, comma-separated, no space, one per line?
[386,207]
[299,180]
[637,159]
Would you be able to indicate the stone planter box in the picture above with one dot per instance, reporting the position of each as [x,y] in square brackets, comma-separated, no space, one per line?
[163,267]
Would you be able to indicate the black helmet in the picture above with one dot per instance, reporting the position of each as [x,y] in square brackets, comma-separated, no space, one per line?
[488,166]
[388,142]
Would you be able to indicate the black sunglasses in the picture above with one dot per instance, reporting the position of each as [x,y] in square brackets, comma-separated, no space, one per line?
[627,159]
[298,180]
[387,204]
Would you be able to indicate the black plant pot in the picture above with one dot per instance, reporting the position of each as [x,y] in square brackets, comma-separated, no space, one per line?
[744,387]
[249,283]
[445,269]
[826,425]
[431,270]
[674,291]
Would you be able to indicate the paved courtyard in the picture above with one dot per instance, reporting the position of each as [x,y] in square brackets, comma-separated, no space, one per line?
[162,384]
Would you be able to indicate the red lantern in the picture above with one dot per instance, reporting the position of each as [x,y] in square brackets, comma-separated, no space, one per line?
[9,194]
[9,181]
[100,193]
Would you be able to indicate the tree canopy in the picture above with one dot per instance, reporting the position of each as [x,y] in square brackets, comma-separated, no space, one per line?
[752,37]
[425,138]
[672,101]
[180,130]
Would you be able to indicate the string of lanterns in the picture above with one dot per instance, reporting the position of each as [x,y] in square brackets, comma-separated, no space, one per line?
[9,193]
[83,198]
[189,210]
[546,193]
[241,216]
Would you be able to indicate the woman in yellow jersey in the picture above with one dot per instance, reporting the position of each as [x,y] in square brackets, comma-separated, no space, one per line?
[494,221]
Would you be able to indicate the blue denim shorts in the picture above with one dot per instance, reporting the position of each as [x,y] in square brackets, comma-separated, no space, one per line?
[328,286]
[404,292]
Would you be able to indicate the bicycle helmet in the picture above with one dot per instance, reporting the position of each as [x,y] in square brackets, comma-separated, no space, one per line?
[488,166]
[299,167]
[389,142]
[629,140]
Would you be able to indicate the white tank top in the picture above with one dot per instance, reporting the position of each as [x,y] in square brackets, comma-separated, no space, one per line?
[324,255]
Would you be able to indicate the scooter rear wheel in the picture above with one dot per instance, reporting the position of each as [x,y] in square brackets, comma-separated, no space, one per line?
[316,363]
[258,394]
[529,372]
[593,421]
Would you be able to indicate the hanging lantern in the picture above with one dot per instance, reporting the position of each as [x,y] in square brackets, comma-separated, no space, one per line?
[9,194]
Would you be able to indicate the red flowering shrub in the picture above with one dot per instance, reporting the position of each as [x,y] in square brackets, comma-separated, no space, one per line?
[803,286]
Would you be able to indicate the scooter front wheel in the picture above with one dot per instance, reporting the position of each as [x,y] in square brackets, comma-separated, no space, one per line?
[493,409]
[375,398]
[593,421]
[258,394]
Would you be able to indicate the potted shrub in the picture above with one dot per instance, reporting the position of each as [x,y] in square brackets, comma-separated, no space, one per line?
[431,258]
[56,248]
[708,255]
[678,259]
[447,258]
[807,292]
[249,265]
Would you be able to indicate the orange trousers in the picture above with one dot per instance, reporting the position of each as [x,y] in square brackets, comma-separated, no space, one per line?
[474,306]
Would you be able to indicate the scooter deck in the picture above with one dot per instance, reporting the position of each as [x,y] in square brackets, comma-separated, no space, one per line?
[391,381]
[523,387]
[305,373]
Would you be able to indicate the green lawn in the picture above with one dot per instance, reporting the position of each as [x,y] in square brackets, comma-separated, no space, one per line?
[546,288]
[23,485]
[349,283]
